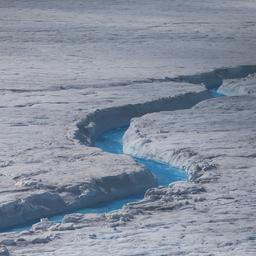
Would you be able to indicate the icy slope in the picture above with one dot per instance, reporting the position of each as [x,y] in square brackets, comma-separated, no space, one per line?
[214,213]
[46,45]
[243,86]
[61,61]
[44,167]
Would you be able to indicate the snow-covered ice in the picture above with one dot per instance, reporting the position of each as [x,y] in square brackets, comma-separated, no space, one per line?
[70,70]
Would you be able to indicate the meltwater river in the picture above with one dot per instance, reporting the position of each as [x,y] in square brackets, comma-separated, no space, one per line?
[112,142]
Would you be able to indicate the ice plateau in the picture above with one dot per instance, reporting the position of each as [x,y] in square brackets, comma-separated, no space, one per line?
[71,70]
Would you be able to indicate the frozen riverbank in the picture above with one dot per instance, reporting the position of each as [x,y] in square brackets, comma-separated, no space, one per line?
[89,128]
[220,198]
[112,142]
[33,190]
[65,64]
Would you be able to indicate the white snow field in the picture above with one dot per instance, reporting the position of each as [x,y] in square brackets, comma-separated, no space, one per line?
[70,70]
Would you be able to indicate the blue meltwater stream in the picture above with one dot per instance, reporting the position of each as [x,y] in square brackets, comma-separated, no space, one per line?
[112,141]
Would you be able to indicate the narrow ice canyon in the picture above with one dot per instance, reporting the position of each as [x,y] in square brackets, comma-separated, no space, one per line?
[127,127]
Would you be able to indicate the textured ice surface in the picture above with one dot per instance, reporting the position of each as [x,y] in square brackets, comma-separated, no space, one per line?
[52,45]
[42,161]
[112,142]
[61,60]
[215,141]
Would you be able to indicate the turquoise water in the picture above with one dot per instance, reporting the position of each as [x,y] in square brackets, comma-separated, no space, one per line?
[216,94]
[112,141]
